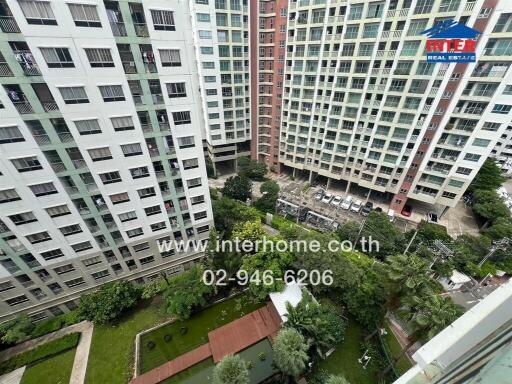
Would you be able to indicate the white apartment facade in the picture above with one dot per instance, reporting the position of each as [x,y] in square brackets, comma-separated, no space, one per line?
[502,152]
[101,148]
[362,107]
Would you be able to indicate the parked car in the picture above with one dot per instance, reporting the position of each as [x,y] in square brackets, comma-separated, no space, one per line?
[327,198]
[407,210]
[347,202]
[368,207]
[337,200]
[391,215]
[319,195]
[378,209]
[432,217]
[356,206]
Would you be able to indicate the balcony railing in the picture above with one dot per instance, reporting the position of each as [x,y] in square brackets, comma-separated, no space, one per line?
[141,29]
[8,24]
[129,67]
[5,71]
[65,137]
[42,139]
[118,29]
[49,106]
[23,107]
[58,167]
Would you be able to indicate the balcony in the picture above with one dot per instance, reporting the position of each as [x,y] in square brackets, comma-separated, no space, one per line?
[129,67]
[58,167]
[8,24]
[118,28]
[49,106]
[5,71]
[141,30]
[23,107]
[42,139]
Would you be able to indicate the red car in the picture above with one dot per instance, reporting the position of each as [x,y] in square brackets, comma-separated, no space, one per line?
[407,210]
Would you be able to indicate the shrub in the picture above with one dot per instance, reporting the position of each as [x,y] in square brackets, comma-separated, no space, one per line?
[167,338]
[16,330]
[151,344]
[262,356]
[43,352]
[183,331]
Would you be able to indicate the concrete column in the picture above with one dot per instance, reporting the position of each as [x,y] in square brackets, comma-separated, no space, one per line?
[444,211]
[294,172]
[328,183]
[348,187]
[310,177]
[368,195]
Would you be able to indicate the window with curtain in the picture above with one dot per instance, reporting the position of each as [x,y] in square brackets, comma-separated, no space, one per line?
[37,12]
[99,57]
[85,15]
[175,90]
[8,195]
[26,164]
[74,95]
[99,154]
[57,57]
[43,189]
[10,135]
[119,198]
[170,57]
[133,149]
[181,118]
[111,93]
[122,123]
[186,142]
[88,127]
[163,20]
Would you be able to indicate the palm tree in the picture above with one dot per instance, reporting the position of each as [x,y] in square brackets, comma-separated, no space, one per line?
[337,380]
[290,352]
[408,272]
[231,370]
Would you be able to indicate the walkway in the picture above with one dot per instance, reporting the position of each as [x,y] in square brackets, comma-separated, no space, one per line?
[13,377]
[226,340]
[82,353]
[31,344]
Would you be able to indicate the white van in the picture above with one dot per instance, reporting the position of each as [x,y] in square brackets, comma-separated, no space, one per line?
[391,215]
[347,202]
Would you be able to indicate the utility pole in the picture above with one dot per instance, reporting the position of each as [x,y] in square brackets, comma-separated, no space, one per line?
[497,245]
[440,250]
[410,242]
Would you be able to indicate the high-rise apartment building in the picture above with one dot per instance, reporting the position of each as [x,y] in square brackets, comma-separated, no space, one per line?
[221,42]
[502,152]
[101,147]
[269,19]
[361,106]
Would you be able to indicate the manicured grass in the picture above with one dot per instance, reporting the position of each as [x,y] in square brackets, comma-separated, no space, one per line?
[395,348]
[112,348]
[40,353]
[343,361]
[189,334]
[199,373]
[56,370]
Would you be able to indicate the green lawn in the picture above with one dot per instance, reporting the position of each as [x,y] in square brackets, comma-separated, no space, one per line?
[343,361]
[56,370]
[112,348]
[395,348]
[197,328]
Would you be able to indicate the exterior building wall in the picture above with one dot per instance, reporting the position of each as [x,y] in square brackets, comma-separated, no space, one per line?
[361,105]
[168,195]
[502,152]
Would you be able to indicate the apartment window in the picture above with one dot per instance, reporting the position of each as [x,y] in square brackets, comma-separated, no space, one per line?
[170,57]
[75,282]
[127,216]
[5,286]
[70,229]
[59,210]
[472,157]
[456,183]
[410,48]
[74,95]
[481,143]
[26,164]
[38,237]
[449,5]
[119,198]
[141,246]
[122,123]
[208,65]
[508,88]
[133,149]
[99,57]
[110,177]
[197,200]
[100,274]
[158,226]
[449,195]
[139,172]
[190,163]
[52,254]
[181,118]
[10,135]
[202,2]
[64,269]
[423,6]
[356,12]
[100,154]
[206,35]
[146,192]
[37,12]
[92,261]
[134,232]
[186,142]
[207,50]
[203,17]
[23,218]
[79,247]
[200,215]
[193,183]
[85,15]
[152,210]
[43,189]
[464,171]
[416,27]
[88,127]
[111,93]
[147,260]
[8,195]
[16,300]
[163,20]
[175,90]
[502,109]
[57,57]
[489,126]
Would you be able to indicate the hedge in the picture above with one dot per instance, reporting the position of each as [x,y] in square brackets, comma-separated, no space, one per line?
[41,353]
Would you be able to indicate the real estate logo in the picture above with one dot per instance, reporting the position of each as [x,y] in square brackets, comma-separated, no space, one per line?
[451,42]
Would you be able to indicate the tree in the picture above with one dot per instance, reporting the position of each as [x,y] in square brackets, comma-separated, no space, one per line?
[337,380]
[407,273]
[16,330]
[231,370]
[321,325]
[290,352]
[378,227]
[348,231]
[151,289]
[251,169]
[489,206]
[489,177]
[256,267]
[227,213]
[109,302]
[270,191]
[238,188]
[250,231]
[186,292]
[500,228]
